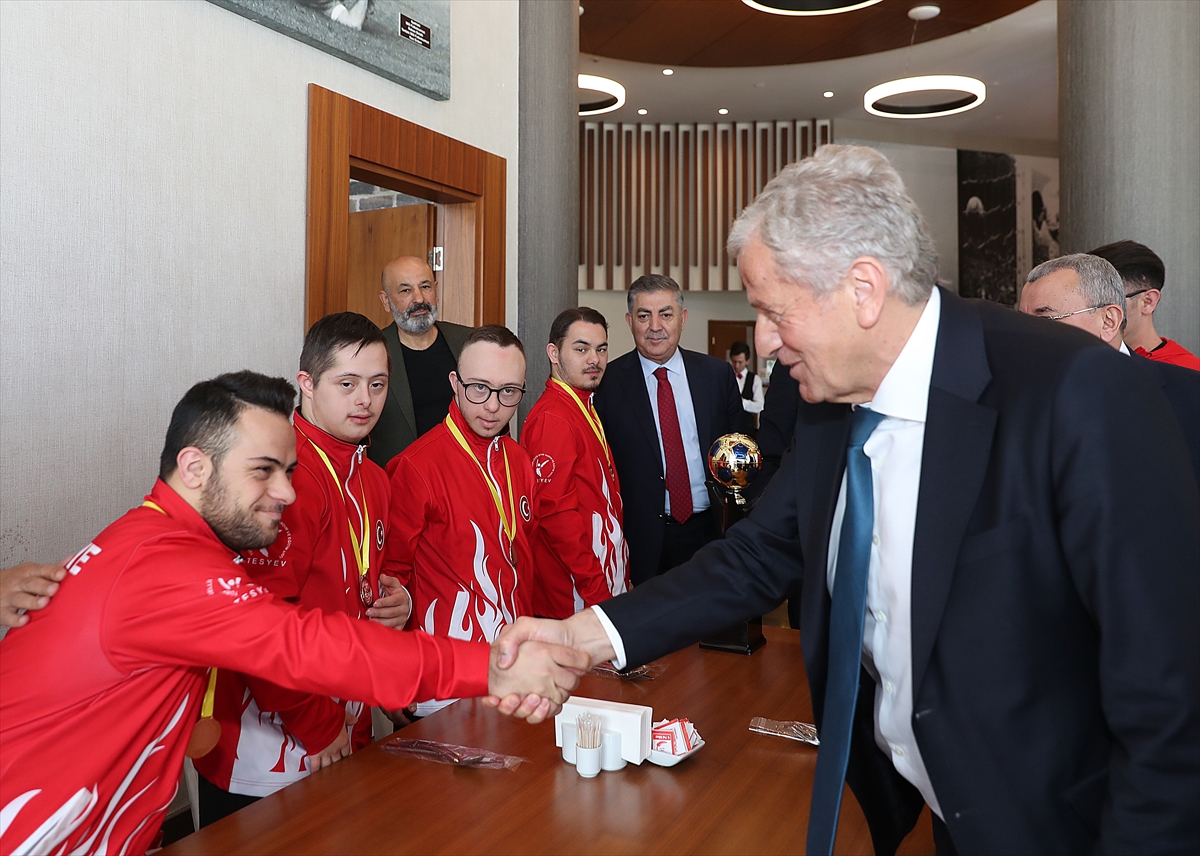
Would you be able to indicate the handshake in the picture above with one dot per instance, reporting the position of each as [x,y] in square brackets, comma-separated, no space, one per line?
[536,663]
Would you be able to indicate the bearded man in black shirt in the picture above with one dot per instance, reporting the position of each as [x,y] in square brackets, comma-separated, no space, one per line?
[424,351]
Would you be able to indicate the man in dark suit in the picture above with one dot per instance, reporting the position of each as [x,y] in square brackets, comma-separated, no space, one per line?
[990,624]
[1086,291]
[662,408]
[423,350]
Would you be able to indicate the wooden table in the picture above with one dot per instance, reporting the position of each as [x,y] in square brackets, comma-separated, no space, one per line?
[741,793]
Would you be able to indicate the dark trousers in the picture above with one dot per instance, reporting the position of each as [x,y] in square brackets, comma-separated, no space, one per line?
[216,803]
[682,540]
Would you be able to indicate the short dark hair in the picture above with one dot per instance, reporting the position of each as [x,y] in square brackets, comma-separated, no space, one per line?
[739,348]
[558,330]
[652,282]
[1137,264]
[334,332]
[206,414]
[496,334]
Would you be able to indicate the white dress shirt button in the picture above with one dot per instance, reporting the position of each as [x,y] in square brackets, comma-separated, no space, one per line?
[889,687]
[898,751]
[880,616]
[875,540]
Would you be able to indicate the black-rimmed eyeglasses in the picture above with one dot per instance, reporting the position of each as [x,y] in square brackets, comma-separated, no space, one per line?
[1136,293]
[479,393]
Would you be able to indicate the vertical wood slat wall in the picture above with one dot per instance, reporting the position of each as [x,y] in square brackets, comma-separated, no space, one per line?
[660,198]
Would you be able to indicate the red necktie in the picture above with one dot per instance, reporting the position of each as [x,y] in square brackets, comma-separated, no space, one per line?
[679,486]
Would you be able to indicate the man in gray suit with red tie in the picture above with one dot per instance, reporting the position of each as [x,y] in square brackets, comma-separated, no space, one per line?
[662,408]
[993,624]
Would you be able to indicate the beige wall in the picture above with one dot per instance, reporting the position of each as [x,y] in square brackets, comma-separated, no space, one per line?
[152,209]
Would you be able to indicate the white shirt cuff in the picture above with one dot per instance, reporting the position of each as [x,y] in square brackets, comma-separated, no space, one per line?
[614,638]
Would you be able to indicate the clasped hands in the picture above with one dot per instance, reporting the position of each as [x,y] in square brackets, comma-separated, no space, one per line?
[536,663]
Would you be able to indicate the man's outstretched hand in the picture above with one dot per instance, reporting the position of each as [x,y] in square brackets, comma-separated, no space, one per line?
[538,677]
[581,632]
[393,606]
[27,586]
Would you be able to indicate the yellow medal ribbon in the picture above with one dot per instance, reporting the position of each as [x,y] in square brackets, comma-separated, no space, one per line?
[592,417]
[362,555]
[206,708]
[510,528]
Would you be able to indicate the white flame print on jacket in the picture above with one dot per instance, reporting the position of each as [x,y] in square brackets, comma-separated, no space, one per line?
[608,543]
[494,597]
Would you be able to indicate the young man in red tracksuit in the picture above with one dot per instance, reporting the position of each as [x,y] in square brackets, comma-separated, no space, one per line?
[100,690]
[461,516]
[328,556]
[579,549]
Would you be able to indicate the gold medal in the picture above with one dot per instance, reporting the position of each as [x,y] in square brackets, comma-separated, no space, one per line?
[364,592]
[207,731]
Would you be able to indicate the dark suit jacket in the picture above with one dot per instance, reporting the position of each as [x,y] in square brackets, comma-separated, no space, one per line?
[1182,389]
[397,425]
[624,407]
[1055,645]
[776,426]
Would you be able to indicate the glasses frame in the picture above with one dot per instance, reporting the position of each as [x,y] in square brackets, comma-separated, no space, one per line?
[1076,312]
[1139,291]
[491,391]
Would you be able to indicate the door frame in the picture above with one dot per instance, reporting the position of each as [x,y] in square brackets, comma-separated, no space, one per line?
[348,138]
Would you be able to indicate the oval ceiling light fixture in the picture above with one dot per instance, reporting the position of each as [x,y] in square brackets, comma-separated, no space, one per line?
[828,93]
[887,99]
[668,71]
[723,111]
[924,12]
[613,92]
[808,7]
[642,111]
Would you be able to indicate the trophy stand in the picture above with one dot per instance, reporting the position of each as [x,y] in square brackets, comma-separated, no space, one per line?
[734,461]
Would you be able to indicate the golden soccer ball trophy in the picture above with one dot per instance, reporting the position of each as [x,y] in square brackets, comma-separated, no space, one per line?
[735,462]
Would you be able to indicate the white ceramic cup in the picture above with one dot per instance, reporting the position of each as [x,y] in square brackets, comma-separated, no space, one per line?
[610,751]
[569,740]
[587,761]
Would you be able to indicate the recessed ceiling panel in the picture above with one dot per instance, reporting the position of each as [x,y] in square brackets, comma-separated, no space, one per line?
[728,33]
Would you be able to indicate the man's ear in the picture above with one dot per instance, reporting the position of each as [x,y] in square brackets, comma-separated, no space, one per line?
[452,377]
[682,318]
[870,284]
[1111,317]
[383,298]
[552,353]
[629,321]
[194,467]
[1151,298]
[306,383]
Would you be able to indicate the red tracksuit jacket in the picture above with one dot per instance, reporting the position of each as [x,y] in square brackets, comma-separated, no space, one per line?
[446,541]
[100,690]
[579,550]
[268,732]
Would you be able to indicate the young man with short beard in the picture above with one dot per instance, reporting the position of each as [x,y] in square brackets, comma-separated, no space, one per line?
[327,556]
[579,550]
[461,517]
[100,690]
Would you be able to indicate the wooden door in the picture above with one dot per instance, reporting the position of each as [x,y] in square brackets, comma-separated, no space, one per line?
[377,237]
[722,335]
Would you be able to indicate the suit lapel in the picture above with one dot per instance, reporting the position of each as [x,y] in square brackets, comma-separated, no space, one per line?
[398,388]
[823,428]
[958,442]
[699,389]
[639,400]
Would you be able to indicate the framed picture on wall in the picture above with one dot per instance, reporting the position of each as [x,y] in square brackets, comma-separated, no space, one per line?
[406,41]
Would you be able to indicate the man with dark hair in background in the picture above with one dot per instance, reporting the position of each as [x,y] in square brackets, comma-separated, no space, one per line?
[423,351]
[1144,275]
[579,551]
[327,556]
[749,384]
[461,514]
[663,407]
[100,690]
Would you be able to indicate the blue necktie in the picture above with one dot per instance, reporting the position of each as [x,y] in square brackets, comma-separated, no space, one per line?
[845,636]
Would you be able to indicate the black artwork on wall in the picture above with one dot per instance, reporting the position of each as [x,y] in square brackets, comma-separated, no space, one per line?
[987,226]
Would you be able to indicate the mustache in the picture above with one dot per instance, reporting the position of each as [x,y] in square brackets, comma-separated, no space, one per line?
[657,337]
[417,307]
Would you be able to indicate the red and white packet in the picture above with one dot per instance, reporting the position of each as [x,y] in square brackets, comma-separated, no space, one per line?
[674,737]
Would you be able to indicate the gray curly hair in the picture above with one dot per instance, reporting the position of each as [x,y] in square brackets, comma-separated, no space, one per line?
[817,216]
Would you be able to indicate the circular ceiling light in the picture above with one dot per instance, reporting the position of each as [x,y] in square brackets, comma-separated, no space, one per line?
[924,12]
[723,111]
[808,7]
[613,95]
[642,111]
[954,93]
[828,93]
[668,71]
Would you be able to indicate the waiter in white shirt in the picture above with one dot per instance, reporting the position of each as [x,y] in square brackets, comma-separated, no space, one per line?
[749,386]
[990,627]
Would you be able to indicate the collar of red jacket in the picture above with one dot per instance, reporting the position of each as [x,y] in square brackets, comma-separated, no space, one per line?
[479,445]
[584,395]
[181,511]
[341,454]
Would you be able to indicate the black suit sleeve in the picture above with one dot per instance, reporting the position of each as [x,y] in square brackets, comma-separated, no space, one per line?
[1128,527]
[776,425]
[744,574]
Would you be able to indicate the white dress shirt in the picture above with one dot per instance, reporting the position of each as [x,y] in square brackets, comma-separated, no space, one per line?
[895,451]
[687,424]
[754,404]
